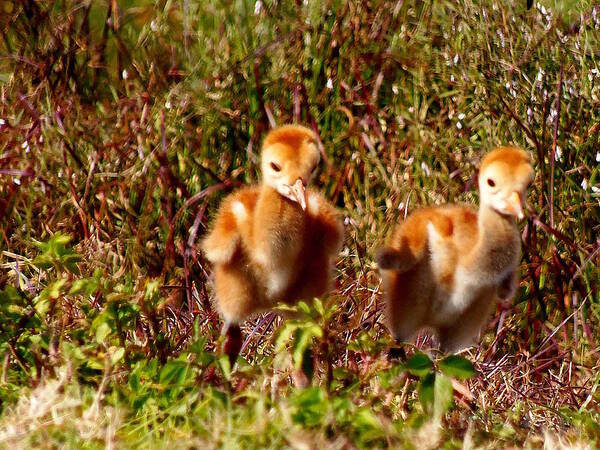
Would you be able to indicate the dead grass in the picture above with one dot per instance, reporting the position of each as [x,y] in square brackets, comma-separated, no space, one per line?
[122,126]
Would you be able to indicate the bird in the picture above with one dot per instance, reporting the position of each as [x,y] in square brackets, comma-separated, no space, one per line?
[276,241]
[445,267]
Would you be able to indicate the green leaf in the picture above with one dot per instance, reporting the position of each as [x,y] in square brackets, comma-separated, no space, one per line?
[116,355]
[134,382]
[95,363]
[303,339]
[55,253]
[419,364]
[54,290]
[87,285]
[311,406]
[43,261]
[72,266]
[457,367]
[342,408]
[367,423]
[443,394]
[284,334]
[59,240]
[139,401]
[72,351]
[173,372]
[303,307]
[225,366]
[152,289]
[102,332]
[42,305]
[426,392]
[10,295]
[318,305]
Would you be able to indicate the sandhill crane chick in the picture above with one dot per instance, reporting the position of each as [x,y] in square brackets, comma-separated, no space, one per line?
[445,267]
[274,242]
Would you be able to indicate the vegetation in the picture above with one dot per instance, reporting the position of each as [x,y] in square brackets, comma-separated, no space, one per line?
[124,123]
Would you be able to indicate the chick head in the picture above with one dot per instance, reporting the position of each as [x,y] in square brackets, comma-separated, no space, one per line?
[288,161]
[504,176]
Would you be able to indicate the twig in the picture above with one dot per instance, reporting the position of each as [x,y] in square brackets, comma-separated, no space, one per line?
[196,225]
[539,350]
[76,200]
[259,93]
[258,52]
[532,48]
[200,195]
[526,129]
[558,234]
[67,144]
[554,139]
[313,124]
[270,318]
[89,177]
[297,103]
[585,263]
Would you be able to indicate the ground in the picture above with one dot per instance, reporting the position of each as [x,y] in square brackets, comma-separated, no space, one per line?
[124,124]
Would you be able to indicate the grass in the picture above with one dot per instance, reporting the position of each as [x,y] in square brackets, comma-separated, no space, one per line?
[124,124]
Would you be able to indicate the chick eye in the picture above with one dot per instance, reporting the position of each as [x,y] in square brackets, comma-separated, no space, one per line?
[275,167]
[491,182]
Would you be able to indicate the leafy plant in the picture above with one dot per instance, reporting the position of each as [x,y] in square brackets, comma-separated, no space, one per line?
[309,335]
[56,254]
[123,124]
[435,386]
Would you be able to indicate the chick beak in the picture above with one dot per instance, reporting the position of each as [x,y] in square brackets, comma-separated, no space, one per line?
[299,193]
[514,205]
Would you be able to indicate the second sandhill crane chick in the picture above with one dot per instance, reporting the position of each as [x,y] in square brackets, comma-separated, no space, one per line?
[445,267]
[274,242]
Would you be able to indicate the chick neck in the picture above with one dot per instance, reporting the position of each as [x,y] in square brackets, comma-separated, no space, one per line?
[280,227]
[498,243]
[270,201]
[490,217]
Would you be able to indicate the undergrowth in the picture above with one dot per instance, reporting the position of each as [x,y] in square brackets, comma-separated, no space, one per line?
[122,126]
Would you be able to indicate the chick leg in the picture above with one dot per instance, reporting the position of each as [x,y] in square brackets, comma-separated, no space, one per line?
[236,299]
[464,331]
[457,337]
[396,354]
[401,324]
[233,341]
[404,312]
